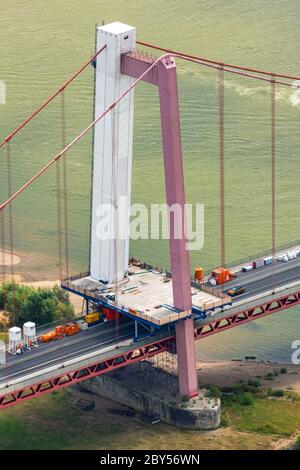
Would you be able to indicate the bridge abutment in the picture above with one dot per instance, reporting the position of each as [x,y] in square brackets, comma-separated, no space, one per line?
[153,392]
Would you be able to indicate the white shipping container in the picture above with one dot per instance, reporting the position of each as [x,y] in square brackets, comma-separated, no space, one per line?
[82,325]
[247,268]
[258,263]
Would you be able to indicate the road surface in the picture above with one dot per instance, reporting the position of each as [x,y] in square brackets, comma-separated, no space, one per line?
[256,282]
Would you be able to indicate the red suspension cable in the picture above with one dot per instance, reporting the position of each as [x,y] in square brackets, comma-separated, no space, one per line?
[65,183]
[2,233]
[79,136]
[51,98]
[58,210]
[10,215]
[273,153]
[221,164]
[218,64]
[97,119]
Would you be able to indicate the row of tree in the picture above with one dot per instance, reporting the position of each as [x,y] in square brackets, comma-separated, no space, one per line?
[42,305]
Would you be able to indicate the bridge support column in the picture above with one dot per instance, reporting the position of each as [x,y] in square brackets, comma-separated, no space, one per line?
[186,357]
[180,266]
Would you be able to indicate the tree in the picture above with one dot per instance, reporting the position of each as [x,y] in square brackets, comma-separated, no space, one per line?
[24,303]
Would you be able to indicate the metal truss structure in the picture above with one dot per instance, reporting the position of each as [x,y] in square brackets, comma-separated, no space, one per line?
[139,353]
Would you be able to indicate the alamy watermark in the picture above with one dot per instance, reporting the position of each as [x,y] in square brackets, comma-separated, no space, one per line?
[294,98]
[296,353]
[157,221]
[2,92]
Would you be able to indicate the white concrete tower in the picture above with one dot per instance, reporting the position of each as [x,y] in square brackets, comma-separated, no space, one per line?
[112,157]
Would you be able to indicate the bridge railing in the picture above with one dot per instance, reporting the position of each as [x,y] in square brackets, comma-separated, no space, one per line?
[259,299]
[255,256]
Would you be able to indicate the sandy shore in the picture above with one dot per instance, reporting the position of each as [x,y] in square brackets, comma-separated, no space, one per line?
[6,259]
[224,373]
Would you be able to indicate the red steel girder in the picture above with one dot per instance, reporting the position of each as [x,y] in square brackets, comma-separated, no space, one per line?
[87,372]
[144,352]
[249,314]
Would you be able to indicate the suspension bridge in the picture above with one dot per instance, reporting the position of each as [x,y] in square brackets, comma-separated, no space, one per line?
[150,311]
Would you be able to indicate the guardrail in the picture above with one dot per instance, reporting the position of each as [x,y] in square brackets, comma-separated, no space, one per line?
[255,301]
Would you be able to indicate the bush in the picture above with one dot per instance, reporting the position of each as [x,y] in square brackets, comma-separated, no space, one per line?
[298,443]
[24,303]
[269,376]
[254,383]
[277,393]
[213,391]
[247,399]
[283,370]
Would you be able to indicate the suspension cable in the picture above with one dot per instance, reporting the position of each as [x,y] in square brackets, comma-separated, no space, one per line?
[273,153]
[101,116]
[79,136]
[65,183]
[10,215]
[59,222]
[2,235]
[226,66]
[51,97]
[221,164]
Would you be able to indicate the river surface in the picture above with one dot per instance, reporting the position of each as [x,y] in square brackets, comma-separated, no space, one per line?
[43,42]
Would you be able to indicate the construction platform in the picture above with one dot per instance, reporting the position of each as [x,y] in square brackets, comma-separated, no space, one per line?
[145,294]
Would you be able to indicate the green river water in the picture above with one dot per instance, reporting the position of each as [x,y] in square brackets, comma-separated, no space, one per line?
[43,42]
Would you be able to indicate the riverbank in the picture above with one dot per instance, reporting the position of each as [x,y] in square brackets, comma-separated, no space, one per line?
[226,373]
[60,421]
[8,259]
[26,274]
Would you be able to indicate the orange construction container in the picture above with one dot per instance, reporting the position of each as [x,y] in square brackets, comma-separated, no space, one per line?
[222,275]
[71,329]
[199,274]
[48,336]
[111,315]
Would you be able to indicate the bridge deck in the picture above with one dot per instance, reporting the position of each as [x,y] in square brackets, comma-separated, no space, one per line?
[260,291]
[146,295]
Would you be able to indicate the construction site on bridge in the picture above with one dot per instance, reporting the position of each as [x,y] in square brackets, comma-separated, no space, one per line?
[133,310]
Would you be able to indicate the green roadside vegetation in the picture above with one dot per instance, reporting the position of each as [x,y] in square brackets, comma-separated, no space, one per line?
[53,422]
[249,407]
[24,303]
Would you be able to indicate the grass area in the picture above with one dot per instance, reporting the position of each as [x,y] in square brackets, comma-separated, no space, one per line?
[265,416]
[52,422]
